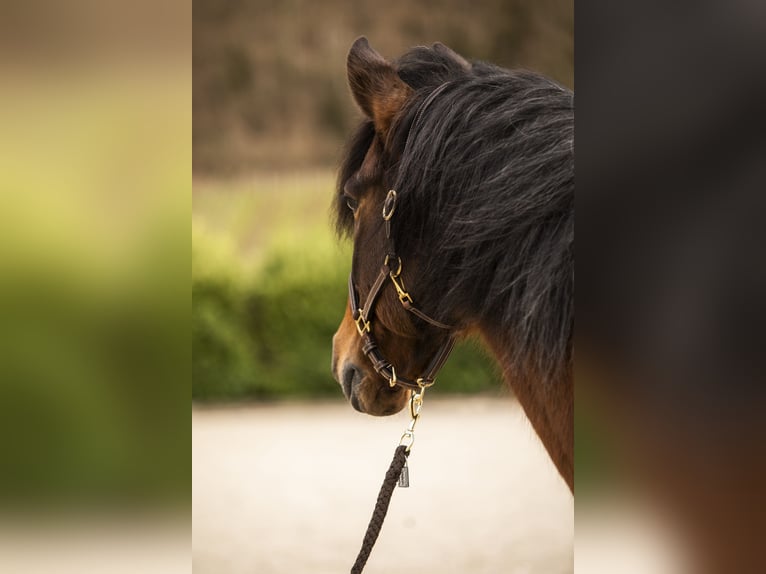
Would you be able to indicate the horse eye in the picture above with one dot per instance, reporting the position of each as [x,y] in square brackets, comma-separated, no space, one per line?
[352,203]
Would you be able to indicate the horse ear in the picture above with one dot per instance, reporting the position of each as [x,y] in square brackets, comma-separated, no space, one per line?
[375,85]
[440,48]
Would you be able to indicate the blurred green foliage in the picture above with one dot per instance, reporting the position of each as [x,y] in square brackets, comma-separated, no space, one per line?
[94,301]
[262,323]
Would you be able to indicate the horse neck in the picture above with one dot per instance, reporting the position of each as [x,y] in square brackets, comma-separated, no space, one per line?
[548,402]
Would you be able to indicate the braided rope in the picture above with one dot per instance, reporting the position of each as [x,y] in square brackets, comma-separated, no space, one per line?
[381,508]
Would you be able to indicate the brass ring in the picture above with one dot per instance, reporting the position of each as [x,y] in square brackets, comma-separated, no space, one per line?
[399,268]
[389,205]
[423,384]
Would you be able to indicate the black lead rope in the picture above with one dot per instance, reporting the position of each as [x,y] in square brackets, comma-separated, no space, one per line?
[381,507]
[397,473]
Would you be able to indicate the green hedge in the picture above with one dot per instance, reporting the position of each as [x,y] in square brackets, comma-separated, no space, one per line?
[265,331]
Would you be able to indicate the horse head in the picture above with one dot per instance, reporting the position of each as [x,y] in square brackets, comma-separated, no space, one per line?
[458,192]
[406,343]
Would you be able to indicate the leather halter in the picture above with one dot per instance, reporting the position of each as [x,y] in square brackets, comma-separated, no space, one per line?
[363,315]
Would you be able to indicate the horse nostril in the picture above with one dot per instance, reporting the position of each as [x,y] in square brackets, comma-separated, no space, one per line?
[350,376]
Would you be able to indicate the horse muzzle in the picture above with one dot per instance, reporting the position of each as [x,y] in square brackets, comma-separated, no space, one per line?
[350,379]
[367,392]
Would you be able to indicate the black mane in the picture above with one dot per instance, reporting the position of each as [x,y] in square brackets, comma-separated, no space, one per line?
[486,201]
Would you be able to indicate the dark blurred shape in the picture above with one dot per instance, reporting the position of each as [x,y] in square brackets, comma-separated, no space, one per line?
[269,77]
[671,165]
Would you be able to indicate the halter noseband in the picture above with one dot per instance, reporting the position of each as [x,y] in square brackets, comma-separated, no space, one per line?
[363,314]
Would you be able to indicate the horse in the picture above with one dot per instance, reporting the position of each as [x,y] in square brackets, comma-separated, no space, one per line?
[457,189]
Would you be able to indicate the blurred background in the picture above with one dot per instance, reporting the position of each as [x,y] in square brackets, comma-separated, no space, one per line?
[285,472]
[269,77]
[95,179]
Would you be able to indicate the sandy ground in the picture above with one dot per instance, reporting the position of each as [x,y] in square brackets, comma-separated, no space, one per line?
[290,488]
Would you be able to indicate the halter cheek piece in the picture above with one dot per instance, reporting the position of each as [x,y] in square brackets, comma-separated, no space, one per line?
[363,314]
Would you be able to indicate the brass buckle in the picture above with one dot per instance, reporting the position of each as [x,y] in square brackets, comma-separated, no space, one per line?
[362,324]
